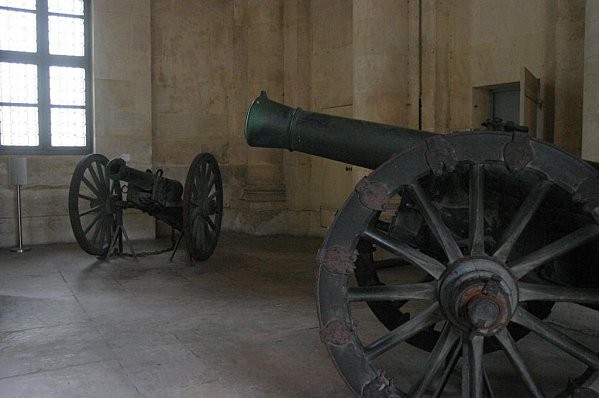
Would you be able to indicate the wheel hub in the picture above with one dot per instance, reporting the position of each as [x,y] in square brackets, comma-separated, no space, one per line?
[483,312]
[478,295]
[208,207]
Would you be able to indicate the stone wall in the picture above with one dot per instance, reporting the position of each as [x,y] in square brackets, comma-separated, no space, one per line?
[175,78]
[590,138]
[122,124]
[416,63]
[210,59]
[478,43]
[193,103]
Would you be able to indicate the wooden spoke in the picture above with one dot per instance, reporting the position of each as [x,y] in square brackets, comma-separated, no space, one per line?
[556,338]
[555,249]
[477,210]
[414,256]
[521,219]
[436,224]
[415,291]
[423,320]
[535,292]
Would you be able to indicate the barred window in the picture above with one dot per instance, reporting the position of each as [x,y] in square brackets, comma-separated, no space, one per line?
[45,77]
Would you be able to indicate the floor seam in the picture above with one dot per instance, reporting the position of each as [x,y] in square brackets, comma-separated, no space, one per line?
[102,336]
[55,369]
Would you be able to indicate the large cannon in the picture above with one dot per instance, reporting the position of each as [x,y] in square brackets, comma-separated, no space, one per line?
[97,199]
[459,244]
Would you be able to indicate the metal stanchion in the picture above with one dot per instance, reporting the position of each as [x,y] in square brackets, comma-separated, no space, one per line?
[18,177]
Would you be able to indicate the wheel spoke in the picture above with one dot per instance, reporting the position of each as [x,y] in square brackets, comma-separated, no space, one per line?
[99,227]
[535,292]
[103,177]
[103,235]
[513,354]
[92,210]
[209,182]
[415,291]
[92,223]
[451,364]
[556,338]
[207,235]
[202,233]
[91,187]
[210,222]
[477,210]
[523,266]
[199,234]
[195,203]
[436,224]
[423,320]
[212,195]
[414,256]
[473,365]
[107,234]
[206,173]
[212,207]
[488,388]
[88,198]
[96,179]
[198,180]
[521,219]
[449,336]
[197,188]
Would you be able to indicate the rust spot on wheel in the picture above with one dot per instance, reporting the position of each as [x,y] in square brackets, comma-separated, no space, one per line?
[373,195]
[336,332]
[339,260]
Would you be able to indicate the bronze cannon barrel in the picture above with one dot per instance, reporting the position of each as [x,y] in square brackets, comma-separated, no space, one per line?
[270,124]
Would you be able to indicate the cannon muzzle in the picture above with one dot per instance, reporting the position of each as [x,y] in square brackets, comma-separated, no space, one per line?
[270,124]
[119,171]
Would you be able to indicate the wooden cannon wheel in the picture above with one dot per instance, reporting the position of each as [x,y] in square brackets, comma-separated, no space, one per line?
[473,295]
[92,204]
[202,206]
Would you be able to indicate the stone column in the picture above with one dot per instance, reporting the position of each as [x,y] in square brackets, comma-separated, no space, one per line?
[380,63]
[590,116]
[265,190]
[436,54]
[569,71]
[297,165]
[380,70]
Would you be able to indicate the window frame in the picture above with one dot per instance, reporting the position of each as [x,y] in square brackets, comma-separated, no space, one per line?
[44,60]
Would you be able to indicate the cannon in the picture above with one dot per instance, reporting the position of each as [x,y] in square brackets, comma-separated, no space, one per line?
[100,190]
[460,245]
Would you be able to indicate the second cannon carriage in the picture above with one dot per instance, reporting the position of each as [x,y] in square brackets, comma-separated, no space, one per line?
[100,190]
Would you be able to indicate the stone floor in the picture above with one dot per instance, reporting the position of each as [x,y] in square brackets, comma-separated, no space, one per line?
[242,324]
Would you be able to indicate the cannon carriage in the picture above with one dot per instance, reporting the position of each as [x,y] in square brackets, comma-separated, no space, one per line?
[460,245]
[100,190]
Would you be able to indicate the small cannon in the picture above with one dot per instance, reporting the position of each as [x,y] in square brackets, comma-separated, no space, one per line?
[459,244]
[97,199]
